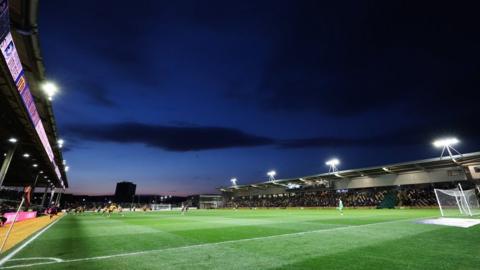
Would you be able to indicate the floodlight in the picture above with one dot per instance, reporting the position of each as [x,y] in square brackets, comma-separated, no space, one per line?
[60,143]
[13,140]
[445,142]
[234,181]
[271,173]
[50,89]
[447,145]
[333,162]
[385,169]
[26,155]
[35,165]
[67,168]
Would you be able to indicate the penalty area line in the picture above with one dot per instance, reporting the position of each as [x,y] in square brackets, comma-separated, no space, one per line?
[200,245]
[26,243]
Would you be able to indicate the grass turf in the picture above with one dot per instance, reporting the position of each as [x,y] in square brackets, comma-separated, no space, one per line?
[253,239]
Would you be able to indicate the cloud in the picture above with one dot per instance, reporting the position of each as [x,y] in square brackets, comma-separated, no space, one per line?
[170,138]
[182,138]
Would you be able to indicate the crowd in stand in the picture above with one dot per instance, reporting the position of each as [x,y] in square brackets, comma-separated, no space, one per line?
[416,197]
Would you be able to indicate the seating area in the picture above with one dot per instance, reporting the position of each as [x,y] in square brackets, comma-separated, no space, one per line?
[411,196]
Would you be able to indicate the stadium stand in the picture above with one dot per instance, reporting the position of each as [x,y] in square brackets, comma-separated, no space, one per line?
[408,184]
[412,197]
[34,157]
[31,153]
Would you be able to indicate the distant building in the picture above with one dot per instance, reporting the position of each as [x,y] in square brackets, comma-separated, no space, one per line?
[125,191]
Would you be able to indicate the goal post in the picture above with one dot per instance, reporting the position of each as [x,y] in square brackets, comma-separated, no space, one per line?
[161,207]
[457,202]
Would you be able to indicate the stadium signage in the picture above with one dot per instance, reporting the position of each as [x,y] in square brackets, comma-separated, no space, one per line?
[14,64]
[21,216]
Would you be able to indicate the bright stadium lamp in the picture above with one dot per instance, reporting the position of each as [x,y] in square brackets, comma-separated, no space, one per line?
[332,163]
[50,89]
[271,175]
[447,145]
[60,143]
[26,155]
[234,181]
[67,168]
[35,165]
[13,140]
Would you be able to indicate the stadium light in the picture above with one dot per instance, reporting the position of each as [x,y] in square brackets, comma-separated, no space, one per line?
[445,142]
[332,163]
[271,175]
[67,168]
[26,155]
[234,181]
[447,145]
[60,143]
[50,89]
[35,165]
[13,140]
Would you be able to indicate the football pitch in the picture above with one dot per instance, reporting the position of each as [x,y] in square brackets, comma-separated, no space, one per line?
[251,239]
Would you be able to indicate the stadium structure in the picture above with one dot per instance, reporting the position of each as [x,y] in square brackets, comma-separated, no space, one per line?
[30,144]
[433,172]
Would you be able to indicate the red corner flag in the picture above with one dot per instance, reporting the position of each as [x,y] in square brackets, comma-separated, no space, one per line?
[26,194]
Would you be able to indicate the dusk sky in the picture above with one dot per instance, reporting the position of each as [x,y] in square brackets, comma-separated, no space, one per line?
[181,96]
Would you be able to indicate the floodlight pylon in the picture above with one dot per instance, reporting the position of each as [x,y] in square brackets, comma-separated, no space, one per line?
[447,147]
[332,165]
[271,176]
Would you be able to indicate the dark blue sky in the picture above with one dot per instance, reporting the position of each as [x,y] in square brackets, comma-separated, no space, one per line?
[180,96]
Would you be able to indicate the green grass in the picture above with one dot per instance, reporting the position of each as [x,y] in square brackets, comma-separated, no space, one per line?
[254,239]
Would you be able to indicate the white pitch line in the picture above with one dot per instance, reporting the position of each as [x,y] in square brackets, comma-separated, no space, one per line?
[200,245]
[13,253]
[37,258]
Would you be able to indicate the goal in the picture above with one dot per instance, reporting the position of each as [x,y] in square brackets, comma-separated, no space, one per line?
[160,207]
[457,202]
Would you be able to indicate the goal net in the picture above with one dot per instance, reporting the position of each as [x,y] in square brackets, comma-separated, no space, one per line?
[160,207]
[457,202]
